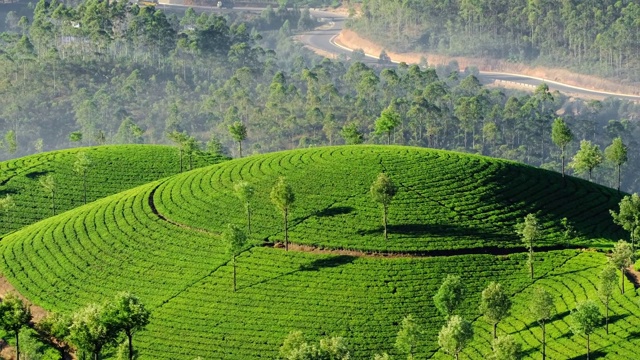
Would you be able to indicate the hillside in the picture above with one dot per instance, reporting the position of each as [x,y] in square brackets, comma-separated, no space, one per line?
[161,241]
[112,169]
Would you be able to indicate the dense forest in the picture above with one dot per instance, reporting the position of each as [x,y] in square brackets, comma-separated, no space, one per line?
[112,72]
[592,36]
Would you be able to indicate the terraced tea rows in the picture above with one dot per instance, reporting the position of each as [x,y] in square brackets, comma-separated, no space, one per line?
[149,240]
[113,169]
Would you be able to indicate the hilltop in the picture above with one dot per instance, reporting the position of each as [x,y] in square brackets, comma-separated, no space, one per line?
[161,240]
[111,169]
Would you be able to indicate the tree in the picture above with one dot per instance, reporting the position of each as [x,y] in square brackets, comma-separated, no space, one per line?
[12,142]
[495,304]
[621,258]
[389,119]
[91,329]
[14,315]
[236,241]
[191,147]
[561,135]
[282,197]
[54,330]
[606,285]
[75,136]
[585,319]
[449,296]
[295,347]
[81,167]
[587,158]
[180,140]
[128,314]
[245,191]
[506,348]
[529,232]
[542,308]
[629,216]
[455,335]
[6,204]
[407,336]
[617,154]
[48,183]
[351,134]
[238,132]
[382,191]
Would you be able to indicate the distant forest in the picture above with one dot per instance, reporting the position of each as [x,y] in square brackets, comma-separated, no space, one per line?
[592,36]
[111,72]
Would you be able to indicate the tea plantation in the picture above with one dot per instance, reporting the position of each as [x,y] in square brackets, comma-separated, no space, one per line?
[453,214]
[111,169]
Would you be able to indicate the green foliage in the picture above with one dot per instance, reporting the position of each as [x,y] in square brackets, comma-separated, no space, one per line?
[449,295]
[455,335]
[608,281]
[11,142]
[91,329]
[383,190]
[283,197]
[586,318]
[126,313]
[506,348]
[245,192]
[407,338]
[541,305]
[629,216]
[561,135]
[495,304]
[617,153]
[387,122]
[295,347]
[238,132]
[587,158]
[529,232]
[351,134]
[75,136]
[14,315]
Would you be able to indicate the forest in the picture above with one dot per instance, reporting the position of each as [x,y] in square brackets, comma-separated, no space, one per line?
[591,36]
[112,72]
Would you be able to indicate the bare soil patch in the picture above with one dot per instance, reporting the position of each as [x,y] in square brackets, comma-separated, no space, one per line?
[633,276]
[6,288]
[351,39]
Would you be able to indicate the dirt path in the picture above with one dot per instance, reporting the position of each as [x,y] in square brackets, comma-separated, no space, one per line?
[633,276]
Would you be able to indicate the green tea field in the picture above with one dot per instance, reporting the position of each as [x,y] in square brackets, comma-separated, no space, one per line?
[453,214]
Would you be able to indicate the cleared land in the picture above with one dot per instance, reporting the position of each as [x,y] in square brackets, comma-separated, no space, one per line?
[150,240]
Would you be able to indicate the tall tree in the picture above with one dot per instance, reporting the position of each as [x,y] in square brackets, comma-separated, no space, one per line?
[14,315]
[617,154]
[506,348]
[542,308]
[351,134]
[529,232]
[495,305]
[81,167]
[180,140]
[587,158]
[621,258]
[12,142]
[245,191]
[606,285]
[382,191]
[387,122]
[449,295]
[629,216]
[238,132]
[561,135]
[48,183]
[282,197]
[585,319]
[91,329]
[128,314]
[455,335]
[407,337]
[236,241]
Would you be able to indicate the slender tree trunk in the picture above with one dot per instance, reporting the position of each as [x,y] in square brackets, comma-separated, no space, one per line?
[84,187]
[130,336]
[544,341]
[563,161]
[622,279]
[248,220]
[388,137]
[531,262]
[240,148]
[286,230]
[589,174]
[457,356]
[588,349]
[180,159]
[234,273]
[495,328]
[384,221]
[619,181]
[606,317]
[17,345]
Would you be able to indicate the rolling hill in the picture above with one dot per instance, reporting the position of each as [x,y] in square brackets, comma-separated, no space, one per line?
[112,169]
[453,214]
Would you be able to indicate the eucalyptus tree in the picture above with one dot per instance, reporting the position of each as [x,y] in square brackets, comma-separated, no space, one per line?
[48,183]
[407,337]
[14,315]
[235,241]
[383,190]
[629,216]
[180,140]
[351,134]
[541,309]
[585,319]
[127,313]
[81,167]
[245,192]
[283,197]
[606,285]
[495,305]
[587,158]
[621,258]
[449,295]
[238,132]
[455,335]
[561,135]
[529,232]
[387,122]
[617,154]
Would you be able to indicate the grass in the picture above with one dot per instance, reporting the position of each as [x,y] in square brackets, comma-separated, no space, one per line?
[170,253]
[113,169]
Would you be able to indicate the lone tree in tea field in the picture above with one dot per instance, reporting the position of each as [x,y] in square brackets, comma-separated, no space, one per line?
[382,191]
[529,232]
[585,319]
[14,315]
[449,295]
[506,348]
[245,191]
[617,154]
[48,183]
[128,315]
[629,216]
[561,135]
[180,140]
[238,132]
[81,167]
[495,305]
[542,308]
[621,258]
[587,158]
[235,240]
[283,198]
[407,337]
[455,335]
[606,285]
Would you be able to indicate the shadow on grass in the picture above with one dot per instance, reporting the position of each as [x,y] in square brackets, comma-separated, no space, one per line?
[614,318]
[593,355]
[335,211]
[329,262]
[557,316]
[633,335]
[441,230]
[6,192]
[36,174]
